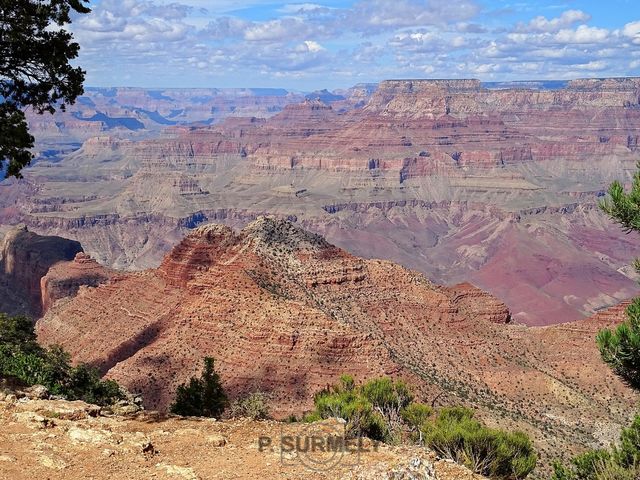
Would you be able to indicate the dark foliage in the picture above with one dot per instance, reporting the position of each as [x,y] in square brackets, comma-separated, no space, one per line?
[25,362]
[35,72]
[620,348]
[201,397]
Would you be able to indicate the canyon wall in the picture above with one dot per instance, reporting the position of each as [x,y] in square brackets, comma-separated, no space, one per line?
[497,186]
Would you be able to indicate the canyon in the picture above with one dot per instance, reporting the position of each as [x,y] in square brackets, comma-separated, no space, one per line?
[285,312]
[138,113]
[497,185]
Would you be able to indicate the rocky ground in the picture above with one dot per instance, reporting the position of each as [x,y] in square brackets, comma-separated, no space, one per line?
[48,439]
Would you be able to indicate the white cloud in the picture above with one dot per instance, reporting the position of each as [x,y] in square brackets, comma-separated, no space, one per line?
[372,16]
[583,34]
[294,8]
[594,66]
[566,19]
[458,42]
[632,31]
[132,20]
[313,46]
[277,30]
[367,41]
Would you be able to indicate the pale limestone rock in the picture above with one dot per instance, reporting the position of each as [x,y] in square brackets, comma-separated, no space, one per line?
[54,463]
[216,440]
[81,435]
[186,473]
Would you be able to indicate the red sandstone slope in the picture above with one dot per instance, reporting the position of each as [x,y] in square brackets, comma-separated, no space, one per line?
[284,311]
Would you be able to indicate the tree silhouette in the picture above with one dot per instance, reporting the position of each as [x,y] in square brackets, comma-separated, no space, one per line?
[201,397]
[35,51]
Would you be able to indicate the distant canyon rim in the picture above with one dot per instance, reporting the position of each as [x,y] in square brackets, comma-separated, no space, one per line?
[496,185]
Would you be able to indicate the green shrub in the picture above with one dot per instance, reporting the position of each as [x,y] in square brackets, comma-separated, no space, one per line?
[388,398]
[356,410]
[387,395]
[347,382]
[311,417]
[85,384]
[201,397]
[583,467]
[613,471]
[415,415]
[383,409]
[455,414]
[22,359]
[627,454]
[18,332]
[371,410]
[254,406]
[621,462]
[456,435]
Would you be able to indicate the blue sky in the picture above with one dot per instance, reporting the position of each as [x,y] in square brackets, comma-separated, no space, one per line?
[337,43]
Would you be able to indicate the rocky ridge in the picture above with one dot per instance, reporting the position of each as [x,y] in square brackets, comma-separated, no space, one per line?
[25,257]
[64,279]
[285,312]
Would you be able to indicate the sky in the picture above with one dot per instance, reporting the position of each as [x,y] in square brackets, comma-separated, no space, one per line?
[339,43]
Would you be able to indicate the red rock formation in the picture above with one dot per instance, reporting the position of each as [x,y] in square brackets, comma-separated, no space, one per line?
[64,279]
[473,302]
[458,181]
[25,258]
[286,312]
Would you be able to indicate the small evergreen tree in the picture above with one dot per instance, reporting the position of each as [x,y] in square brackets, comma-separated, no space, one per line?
[620,348]
[201,397]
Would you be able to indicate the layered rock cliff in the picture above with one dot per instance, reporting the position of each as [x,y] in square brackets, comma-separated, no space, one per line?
[65,278]
[25,258]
